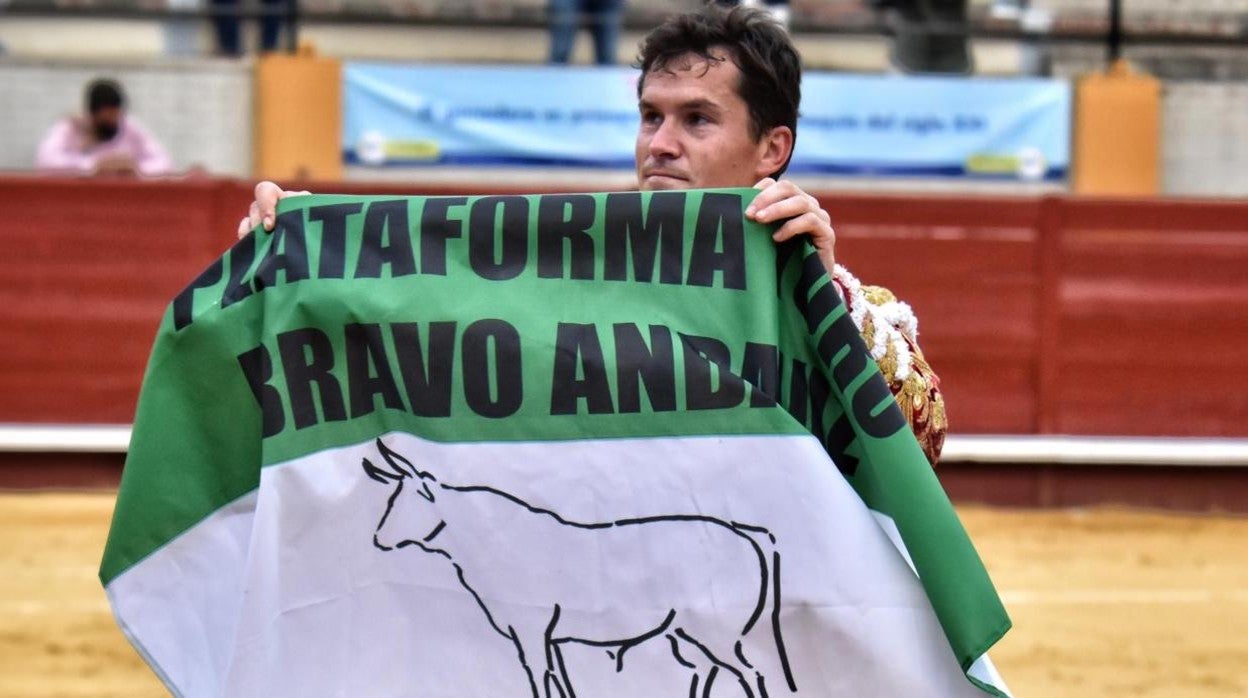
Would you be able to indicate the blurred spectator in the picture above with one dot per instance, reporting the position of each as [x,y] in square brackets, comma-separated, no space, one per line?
[182,29]
[604,25]
[103,141]
[227,22]
[929,36]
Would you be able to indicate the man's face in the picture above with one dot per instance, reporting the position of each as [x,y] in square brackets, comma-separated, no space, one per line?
[695,129]
[105,121]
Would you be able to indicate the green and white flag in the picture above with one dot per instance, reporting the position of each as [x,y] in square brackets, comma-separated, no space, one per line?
[534,446]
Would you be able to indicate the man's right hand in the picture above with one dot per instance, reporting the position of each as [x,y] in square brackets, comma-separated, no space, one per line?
[264,209]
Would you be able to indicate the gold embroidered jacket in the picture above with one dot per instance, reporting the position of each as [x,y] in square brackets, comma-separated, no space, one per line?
[889,328]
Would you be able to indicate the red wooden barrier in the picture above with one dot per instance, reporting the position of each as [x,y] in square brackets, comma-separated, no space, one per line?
[87,269]
[970,269]
[1051,315]
[1153,319]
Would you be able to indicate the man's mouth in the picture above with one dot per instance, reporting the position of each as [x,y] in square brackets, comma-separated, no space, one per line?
[665,175]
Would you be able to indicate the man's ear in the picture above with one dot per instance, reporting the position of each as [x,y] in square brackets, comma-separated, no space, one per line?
[774,149]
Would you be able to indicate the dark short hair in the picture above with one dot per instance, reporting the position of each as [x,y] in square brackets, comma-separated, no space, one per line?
[771,70]
[102,93]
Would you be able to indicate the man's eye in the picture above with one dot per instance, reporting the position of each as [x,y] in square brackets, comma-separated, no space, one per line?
[697,119]
[649,117]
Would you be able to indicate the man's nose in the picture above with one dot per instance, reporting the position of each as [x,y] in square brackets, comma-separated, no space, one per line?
[666,141]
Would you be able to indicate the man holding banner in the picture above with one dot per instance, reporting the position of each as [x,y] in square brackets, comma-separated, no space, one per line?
[609,444]
[718,100]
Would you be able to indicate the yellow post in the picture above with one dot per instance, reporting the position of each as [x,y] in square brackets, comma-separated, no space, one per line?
[1117,147]
[298,116]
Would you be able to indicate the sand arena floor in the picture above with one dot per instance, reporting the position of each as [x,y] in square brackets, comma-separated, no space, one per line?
[1105,602]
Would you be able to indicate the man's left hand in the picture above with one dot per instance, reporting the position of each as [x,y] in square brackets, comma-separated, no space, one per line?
[785,201]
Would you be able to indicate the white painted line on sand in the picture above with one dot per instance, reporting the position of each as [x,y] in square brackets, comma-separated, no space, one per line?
[33,607]
[1109,597]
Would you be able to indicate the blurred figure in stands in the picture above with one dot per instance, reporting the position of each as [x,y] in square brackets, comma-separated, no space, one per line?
[227,22]
[604,25]
[103,141]
[929,36]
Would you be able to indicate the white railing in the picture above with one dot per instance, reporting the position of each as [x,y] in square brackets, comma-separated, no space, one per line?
[64,438]
[1095,450]
[959,448]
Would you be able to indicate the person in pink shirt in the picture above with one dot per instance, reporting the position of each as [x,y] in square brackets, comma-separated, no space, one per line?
[103,141]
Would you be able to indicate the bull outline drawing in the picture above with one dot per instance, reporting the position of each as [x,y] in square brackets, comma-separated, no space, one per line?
[705,648]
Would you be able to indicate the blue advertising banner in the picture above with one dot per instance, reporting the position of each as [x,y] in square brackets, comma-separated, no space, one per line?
[408,115]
